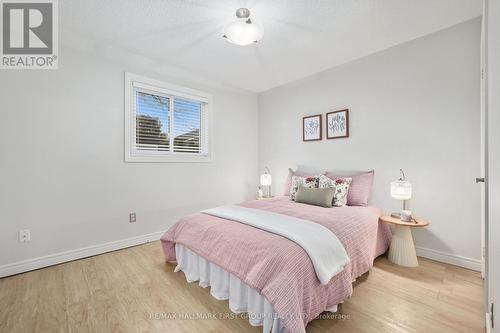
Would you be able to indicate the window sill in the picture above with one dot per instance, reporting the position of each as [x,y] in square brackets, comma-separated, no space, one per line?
[168,159]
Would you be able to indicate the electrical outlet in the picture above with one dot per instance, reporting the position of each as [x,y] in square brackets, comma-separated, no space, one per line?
[132,217]
[24,235]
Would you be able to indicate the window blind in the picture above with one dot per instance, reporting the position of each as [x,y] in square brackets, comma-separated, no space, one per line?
[152,122]
[168,123]
[187,126]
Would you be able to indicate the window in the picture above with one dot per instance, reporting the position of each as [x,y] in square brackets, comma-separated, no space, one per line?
[165,123]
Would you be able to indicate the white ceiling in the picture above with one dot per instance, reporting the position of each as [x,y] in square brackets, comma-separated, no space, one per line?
[301,37]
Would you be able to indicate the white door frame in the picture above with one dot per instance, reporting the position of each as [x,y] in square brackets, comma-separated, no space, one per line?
[485,267]
[484,144]
[492,112]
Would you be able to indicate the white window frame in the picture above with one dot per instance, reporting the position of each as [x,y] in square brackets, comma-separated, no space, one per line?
[169,90]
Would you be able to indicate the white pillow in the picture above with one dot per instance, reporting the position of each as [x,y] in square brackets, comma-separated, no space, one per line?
[310,181]
[340,186]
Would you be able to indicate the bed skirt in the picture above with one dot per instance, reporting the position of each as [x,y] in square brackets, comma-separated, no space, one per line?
[226,286]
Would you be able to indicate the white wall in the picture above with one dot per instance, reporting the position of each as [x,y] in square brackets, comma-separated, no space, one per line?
[62,169]
[62,173]
[415,106]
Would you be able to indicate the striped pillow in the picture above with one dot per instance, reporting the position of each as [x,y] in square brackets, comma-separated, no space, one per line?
[360,189]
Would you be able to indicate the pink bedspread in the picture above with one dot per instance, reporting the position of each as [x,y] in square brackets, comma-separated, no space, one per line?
[279,268]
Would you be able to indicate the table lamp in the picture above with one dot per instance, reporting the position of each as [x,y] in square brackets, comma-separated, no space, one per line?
[401,190]
[265,180]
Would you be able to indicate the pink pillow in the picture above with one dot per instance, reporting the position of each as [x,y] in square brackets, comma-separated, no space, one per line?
[360,189]
[288,182]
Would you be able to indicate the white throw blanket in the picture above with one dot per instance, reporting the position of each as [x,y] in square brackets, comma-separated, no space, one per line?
[327,254]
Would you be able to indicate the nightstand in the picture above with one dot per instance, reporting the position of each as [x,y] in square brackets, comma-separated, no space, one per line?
[402,251]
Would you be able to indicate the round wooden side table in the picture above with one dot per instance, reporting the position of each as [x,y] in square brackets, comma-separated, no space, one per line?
[402,251]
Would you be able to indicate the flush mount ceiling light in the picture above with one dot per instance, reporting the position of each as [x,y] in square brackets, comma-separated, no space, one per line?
[243,31]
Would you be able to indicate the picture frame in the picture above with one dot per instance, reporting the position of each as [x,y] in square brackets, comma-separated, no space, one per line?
[337,124]
[312,128]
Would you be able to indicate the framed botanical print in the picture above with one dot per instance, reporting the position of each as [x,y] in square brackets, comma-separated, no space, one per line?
[312,128]
[337,124]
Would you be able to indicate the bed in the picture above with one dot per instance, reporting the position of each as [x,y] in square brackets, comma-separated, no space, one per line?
[267,275]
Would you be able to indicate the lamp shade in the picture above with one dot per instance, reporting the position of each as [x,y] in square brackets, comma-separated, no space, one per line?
[243,32]
[265,179]
[401,189]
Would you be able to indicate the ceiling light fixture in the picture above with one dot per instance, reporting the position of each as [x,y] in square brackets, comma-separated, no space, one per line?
[243,31]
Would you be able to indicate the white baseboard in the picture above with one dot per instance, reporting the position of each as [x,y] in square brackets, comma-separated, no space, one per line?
[449,258]
[58,258]
[61,257]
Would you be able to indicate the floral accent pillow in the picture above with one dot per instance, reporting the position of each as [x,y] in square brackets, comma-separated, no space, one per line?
[310,182]
[340,186]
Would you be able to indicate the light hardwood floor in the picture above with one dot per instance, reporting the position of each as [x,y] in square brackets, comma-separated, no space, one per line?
[130,290]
